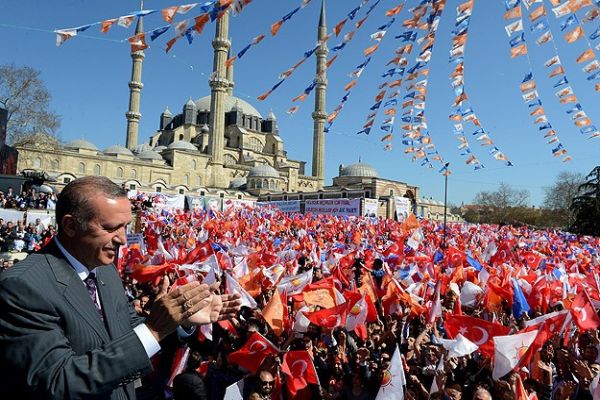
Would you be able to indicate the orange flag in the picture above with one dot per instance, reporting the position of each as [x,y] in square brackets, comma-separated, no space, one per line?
[557,71]
[520,50]
[410,223]
[323,297]
[395,83]
[276,27]
[138,42]
[200,21]
[527,86]
[230,61]
[568,99]
[106,25]
[597,87]
[338,28]
[350,85]
[169,13]
[537,13]
[274,313]
[576,5]
[513,13]
[370,50]
[393,11]
[574,35]
[586,56]
[538,111]
[331,61]
[583,122]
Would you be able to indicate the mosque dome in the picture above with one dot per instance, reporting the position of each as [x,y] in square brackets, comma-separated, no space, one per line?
[230,103]
[182,145]
[140,148]
[116,149]
[359,169]
[150,155]
[81,144]
[158,149]
[237,183]
[263,171]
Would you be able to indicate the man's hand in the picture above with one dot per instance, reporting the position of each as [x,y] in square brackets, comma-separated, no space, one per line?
[172,309]
[221,306]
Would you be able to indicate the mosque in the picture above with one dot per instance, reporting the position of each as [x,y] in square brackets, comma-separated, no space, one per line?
[220,146]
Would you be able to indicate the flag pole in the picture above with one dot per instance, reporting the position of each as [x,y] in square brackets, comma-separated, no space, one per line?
[445,204]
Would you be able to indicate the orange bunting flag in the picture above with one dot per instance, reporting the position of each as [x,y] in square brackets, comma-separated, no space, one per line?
[555,3]
[276,27]
[557,71]
[459,99]
[293,110]
[106,25]
[302,97]
[350,84]
[586,56]
[338,28]
[64,35]
[369,124]
[390,111]
[574,35]
[361,22]
[230,61]
[576,5]
[537,13]
[331,117]
[520,50]
[138,42]
[395,83]
[370,50]
[513,13]
[538,111]
[380,96]
[331,61]
[568,99]
[264,95]
[200,21]
[597,87]
[171,42]
[169,13]
[527,86]
[387,137]
[394,11]
[583,122]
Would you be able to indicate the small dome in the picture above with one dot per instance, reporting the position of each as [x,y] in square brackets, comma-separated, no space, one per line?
[81,144]
[182,145]
[230,103]
[263,171]
[158,149]
[140,148]
[424,201]
[271,116]
[204,128]
[167,112]
[237,183]
[359,169]
[116,149]
[190,103]
[150,155]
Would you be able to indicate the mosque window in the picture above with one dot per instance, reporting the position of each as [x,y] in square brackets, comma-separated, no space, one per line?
[202,193]
[97,169]
[37,162]
[133,173]
[391,192]
[265,184]
[221,195]
[119,172]
[368,194]
[186,180]
[198,180]
[66,179]
[228,159]
[255,144]
[181,136]
[194,165]
[239,196]
[158,189]
[132,186]
[258,184]
[81,168]
[181,191]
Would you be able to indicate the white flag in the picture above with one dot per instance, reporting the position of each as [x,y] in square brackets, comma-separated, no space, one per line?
[292,285]
[392,384]
[233,286]
[508,351]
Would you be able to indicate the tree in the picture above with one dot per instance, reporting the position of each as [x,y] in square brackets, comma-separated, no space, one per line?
[500,204]
[559,197]
[586,206]
[24,95]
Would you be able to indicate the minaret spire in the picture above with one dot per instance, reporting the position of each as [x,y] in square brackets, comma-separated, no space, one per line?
[218,90]
[135,90]
[320,115]
[230,75]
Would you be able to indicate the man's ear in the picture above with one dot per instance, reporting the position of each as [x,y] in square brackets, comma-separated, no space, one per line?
[69,226]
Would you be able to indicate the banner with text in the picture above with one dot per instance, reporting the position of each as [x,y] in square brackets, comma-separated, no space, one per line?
[333,206]
[287,206]
[370,208]
[402,208]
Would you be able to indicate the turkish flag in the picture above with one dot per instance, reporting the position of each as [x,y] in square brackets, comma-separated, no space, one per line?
[200,253]
[145,273]
[329,317]
[503,254]
[476,330]
[583,312]
[253,352]
[455,257]
[533,259]
[300,371]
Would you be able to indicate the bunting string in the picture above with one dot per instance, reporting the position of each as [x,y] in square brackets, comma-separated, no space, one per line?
[565,93]
[337,48]
[416,136]
[463,109]
[529,91]
[275,27]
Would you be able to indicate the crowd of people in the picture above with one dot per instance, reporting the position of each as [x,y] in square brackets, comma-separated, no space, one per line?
[365,308]
[29,199]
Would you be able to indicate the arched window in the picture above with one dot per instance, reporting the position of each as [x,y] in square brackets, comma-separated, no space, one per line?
[97,169]
[119,172]
[228,159]
[186,180]
[81,168]
[181,136]
[198,181]
[37,162]
[265,184]
[255,144]
[258,184]
[133,174]
[194,165]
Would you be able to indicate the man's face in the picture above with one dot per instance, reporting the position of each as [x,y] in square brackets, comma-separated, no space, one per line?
[265,382]
[453,394]
[100,242]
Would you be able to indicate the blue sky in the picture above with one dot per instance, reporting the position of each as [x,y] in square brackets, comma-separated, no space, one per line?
[88,77]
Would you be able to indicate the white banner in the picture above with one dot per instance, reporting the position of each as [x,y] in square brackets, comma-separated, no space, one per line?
[402,208]
[288,206]
[237,204]
[194,203]
[45,218]
[333,206]
[370,207]
[169,201]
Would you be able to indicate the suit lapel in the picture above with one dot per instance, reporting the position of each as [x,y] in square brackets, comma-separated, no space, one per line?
[107,301]
[75,292]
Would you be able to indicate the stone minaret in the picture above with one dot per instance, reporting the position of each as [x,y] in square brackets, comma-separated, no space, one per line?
[219,85]
[230,77]
[135,91]
[320,115]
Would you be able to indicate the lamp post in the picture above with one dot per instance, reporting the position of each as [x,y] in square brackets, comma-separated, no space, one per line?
[445,202]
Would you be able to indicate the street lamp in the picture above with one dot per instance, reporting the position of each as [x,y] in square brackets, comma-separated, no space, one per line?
[446,173]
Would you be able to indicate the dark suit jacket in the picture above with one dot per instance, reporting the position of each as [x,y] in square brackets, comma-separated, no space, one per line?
[189,386]
[52,342]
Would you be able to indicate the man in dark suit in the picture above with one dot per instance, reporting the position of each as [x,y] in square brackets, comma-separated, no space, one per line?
[66,328]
